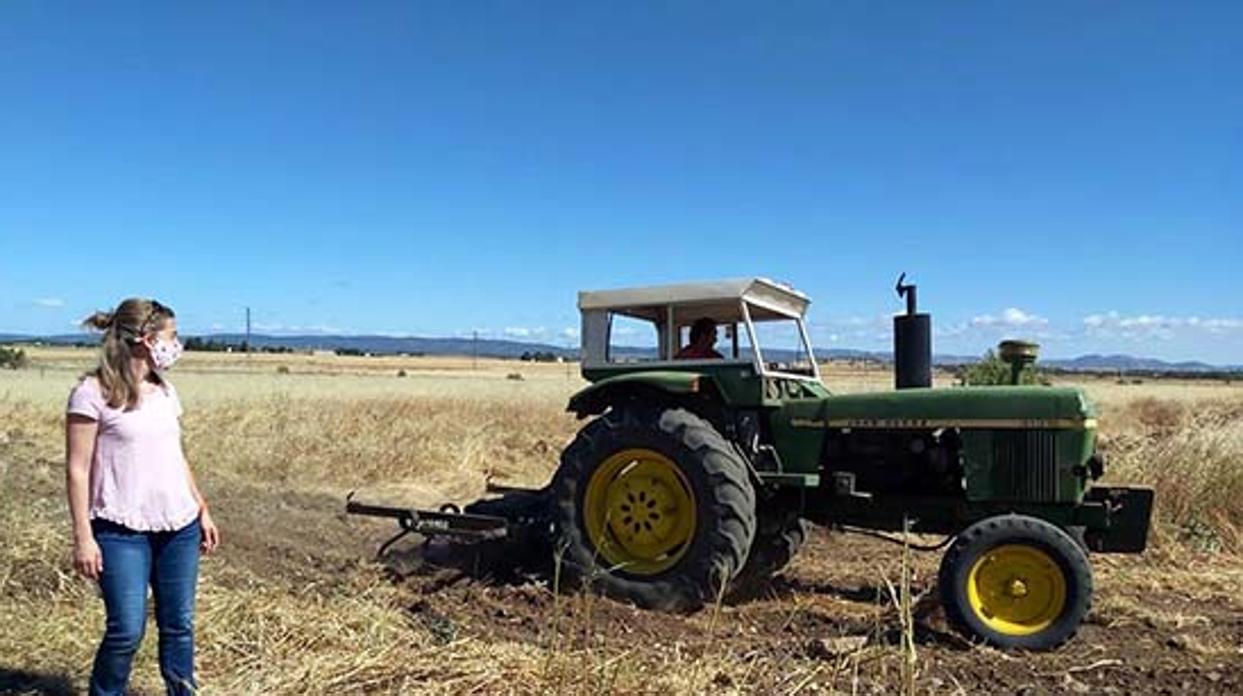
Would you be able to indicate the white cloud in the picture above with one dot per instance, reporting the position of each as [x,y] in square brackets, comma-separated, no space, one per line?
[1113,324]
[1011,317]
[948,330]
[48,302]
[569,332]
[289,329]
[852,322]
[1093,321]
[853,331]
[524,331]
[1218,325]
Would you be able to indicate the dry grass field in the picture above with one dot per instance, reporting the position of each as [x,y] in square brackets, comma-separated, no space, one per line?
[293,602]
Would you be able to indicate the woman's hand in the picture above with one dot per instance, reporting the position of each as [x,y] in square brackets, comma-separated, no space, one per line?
[87,559]
[211,534]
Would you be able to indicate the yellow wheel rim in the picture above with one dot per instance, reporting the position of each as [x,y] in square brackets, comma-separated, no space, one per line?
[1016,590]
[639,512]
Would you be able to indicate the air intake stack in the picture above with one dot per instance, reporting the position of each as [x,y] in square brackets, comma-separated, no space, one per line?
[912,342]
[1018,355]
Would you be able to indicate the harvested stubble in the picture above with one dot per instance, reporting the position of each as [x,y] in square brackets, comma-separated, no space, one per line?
[1192,453]
[291,605]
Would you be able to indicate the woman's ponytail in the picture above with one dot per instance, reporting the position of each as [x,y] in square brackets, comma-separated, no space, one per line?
[100,321]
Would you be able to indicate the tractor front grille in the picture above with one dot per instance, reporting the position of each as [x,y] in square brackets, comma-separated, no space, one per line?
[1025,464]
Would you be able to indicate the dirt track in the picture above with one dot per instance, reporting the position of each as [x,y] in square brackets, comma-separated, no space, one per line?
[832,608]
[1155,627]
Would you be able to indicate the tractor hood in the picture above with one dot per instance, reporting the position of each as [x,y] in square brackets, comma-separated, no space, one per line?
[963,407]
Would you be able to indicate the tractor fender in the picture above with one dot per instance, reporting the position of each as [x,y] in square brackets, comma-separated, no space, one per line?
[669,385]
[695,391]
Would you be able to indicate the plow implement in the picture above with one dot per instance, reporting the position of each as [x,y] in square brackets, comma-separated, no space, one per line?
[511,518]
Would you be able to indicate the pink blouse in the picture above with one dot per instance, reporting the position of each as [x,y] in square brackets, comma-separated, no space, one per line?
[139,477]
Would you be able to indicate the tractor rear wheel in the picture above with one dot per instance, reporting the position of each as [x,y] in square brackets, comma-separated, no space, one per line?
[653,506]
[1016,582]
[779,537]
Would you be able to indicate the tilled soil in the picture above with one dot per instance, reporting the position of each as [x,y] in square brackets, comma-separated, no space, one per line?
[833,606]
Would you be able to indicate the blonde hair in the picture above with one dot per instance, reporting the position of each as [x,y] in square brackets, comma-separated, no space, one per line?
[123,329]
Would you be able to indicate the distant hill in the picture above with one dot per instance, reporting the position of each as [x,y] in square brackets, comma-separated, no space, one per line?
[1084,363]
[484,347]
[1128,363]
[501,348]
[414,345]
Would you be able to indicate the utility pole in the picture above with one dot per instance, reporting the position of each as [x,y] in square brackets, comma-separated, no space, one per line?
[247,344]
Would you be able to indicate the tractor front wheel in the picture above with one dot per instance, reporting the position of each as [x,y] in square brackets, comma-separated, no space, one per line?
[1016,582]
[653,506]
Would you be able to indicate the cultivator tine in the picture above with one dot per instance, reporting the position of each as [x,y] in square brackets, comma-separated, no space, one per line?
[390,541]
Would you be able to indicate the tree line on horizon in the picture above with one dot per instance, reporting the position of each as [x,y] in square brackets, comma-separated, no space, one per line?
[212,345]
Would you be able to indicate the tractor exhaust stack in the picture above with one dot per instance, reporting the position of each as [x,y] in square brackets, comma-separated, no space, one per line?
[912,342]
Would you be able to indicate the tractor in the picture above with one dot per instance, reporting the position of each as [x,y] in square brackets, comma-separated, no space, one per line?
[698,470]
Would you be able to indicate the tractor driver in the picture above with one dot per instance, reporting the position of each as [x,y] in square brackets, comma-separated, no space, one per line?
[703,338]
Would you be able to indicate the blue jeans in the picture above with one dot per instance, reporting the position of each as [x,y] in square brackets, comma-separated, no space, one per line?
[169,563]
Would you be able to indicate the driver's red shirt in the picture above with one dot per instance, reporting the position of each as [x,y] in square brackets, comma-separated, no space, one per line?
[693,352]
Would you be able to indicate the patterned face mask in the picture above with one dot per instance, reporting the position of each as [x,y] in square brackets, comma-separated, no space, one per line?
[165,353]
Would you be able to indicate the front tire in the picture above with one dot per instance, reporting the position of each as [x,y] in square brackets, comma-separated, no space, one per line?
[1015,581]
[653,506]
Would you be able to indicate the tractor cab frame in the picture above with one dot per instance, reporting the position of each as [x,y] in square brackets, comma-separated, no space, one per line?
[744,307]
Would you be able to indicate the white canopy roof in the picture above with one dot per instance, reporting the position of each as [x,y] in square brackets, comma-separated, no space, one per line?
[717,299]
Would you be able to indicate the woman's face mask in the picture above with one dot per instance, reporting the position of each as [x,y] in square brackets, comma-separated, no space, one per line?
[164,352]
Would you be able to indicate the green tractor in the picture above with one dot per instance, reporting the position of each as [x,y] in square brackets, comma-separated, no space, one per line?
[699,471]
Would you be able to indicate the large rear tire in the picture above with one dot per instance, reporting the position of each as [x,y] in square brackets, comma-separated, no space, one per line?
[779,537]
[1015,581]
[653,506]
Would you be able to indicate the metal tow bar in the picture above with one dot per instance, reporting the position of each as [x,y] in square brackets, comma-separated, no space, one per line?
[449,521]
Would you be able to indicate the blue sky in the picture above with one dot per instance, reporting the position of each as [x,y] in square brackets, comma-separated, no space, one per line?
[1063,171]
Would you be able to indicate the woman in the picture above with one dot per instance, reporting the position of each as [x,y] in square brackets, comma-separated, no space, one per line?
[138,517]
